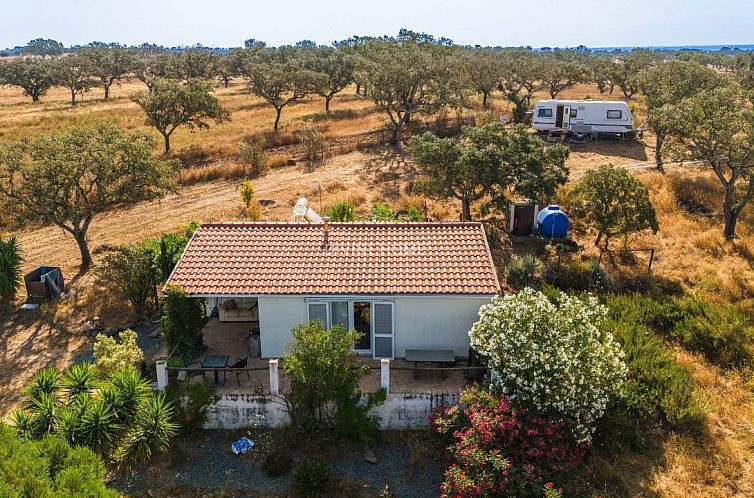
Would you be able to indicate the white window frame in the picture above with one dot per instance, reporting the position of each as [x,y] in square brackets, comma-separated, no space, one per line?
[392,328]
[619,111]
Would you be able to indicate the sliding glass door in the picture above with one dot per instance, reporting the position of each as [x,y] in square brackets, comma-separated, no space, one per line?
[362,322]
[373,319]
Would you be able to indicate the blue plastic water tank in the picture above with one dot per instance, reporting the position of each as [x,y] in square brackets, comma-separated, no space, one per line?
[553,222]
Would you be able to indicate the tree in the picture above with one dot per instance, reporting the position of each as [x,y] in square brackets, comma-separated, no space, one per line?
[199,63]
[109,63]
[171,104]
[405,78]
[134,269]
[615,202]
[49,467]
[625,74]
[336,66]
[484,70]
[553,356]
[75,73]
[602,68]
[466,169]
[43,47]
[183,320]
[34,75]
[522,79]
[716,127]
[668,83]
[743,65]
[280,78]
[558,74]
[69,177]
[10,268]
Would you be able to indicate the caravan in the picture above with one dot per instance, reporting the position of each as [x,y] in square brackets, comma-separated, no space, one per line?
[583,116]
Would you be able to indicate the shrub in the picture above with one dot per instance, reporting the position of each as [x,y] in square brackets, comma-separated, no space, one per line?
[10,268]
[183,321]
[580,276]
[311,478]
[112,356]
[522,271]
[277,463]
[254,156]
[553,356]
[315,145]
[247,193]
[341,211]
[129,272]
[49,468]
[501,449]
[191,400]
[254,211]
[120,418]
[382,212]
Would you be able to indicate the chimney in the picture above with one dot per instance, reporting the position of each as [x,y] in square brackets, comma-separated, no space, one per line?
[326,233]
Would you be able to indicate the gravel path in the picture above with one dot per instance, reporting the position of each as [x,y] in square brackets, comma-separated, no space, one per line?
[207,467]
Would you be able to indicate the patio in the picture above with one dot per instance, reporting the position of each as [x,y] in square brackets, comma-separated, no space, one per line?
[232,339]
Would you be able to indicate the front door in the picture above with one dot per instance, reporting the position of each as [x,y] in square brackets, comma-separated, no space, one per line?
[362,323]
[566,117]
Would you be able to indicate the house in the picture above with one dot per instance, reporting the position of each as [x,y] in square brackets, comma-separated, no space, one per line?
[403,285]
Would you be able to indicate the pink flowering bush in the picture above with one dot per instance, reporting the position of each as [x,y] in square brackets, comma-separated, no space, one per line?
[498,449]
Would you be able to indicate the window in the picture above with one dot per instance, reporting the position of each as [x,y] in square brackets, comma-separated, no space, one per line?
[573,112]
[614,114]
[339,314]
[543,112]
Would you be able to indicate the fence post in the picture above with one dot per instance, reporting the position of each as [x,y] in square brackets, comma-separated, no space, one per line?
[274,377]
[161,366]
[385,374]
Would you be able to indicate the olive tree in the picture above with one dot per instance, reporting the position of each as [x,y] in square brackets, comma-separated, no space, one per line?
[614,202]
[668,83]
[716,127]
[42,47]
[523,78]
[602,68]
[337,67]
[280,78]
[34,75]
[484,71]
[558,74]
[109,63]
[625,74]
[76,74]
[743,65]
[171,104]
[68,178]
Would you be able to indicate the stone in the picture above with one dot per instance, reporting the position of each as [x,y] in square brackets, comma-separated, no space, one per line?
[369,455]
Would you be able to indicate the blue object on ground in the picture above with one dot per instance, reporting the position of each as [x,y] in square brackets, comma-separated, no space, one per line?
[242,446]
[553,222]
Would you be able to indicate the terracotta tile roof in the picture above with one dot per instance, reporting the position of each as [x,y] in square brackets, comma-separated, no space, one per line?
[363,258]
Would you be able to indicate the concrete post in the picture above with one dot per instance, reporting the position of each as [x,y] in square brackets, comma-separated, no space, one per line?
[162,373]
[274,377]
[385,374]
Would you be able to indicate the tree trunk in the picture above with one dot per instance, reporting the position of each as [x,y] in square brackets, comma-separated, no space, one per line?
[659,139]
[485,96]
[35,97]
[327,103]
[599,237]
[107,92]
[394,135]
[730,214]
[73,97]
[358,88]
[166,136]
[465,209]
[277,117]
[86,257]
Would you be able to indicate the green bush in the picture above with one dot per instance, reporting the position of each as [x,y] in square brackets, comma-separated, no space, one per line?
[10,268]
[183,320]
[191,400]
[382,212]
[580,276]
[112,356]
[277,463]
[254,155]
[311,478]
[341,211]
[49,468]
[522,271]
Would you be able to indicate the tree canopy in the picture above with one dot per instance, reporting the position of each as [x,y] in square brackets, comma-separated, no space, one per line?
[34,75]
[69,177]
[615,202]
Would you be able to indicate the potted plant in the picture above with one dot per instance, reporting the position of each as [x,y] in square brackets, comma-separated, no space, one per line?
[174,362]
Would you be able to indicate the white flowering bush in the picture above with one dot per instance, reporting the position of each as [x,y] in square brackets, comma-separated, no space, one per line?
[553,356]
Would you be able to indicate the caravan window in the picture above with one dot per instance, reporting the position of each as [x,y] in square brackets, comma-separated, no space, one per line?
[613,114]
[544,112]
[573,112]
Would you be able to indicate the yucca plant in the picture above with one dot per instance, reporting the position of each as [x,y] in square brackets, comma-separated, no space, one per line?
[10,267]
[23,422]
[44,409]
[44,382]
[151,432]
[131,389]
[98,428]
[69,418]
[341,211]
[78,379]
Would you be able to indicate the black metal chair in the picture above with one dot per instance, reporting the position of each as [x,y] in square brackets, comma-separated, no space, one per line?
[239,363]
[194,373]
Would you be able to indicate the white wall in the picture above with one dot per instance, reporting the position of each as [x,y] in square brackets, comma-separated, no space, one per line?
[399,412]
[441,322]
[277,316]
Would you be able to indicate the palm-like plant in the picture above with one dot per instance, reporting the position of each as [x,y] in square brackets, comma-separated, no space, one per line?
[44,409]
[98,428]
[78,379]
[23,422]
[44,382]
[150,433]
[131,390]
[341,211]
[69,419]
[10,267]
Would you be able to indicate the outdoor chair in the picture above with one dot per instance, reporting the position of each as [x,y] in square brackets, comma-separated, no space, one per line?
[240,363]
[195,373]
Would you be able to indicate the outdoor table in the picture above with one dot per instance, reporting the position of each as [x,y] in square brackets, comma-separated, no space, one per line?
[216,361]
[441,357]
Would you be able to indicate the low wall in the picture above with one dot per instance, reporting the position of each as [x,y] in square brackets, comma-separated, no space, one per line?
[400,411]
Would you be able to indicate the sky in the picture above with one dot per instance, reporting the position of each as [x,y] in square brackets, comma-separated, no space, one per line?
[227,23]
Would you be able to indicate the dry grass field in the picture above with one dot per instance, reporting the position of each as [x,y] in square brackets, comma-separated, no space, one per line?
[690,253]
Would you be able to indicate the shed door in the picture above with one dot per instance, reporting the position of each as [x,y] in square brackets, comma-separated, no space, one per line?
[318,312]
[382,330]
